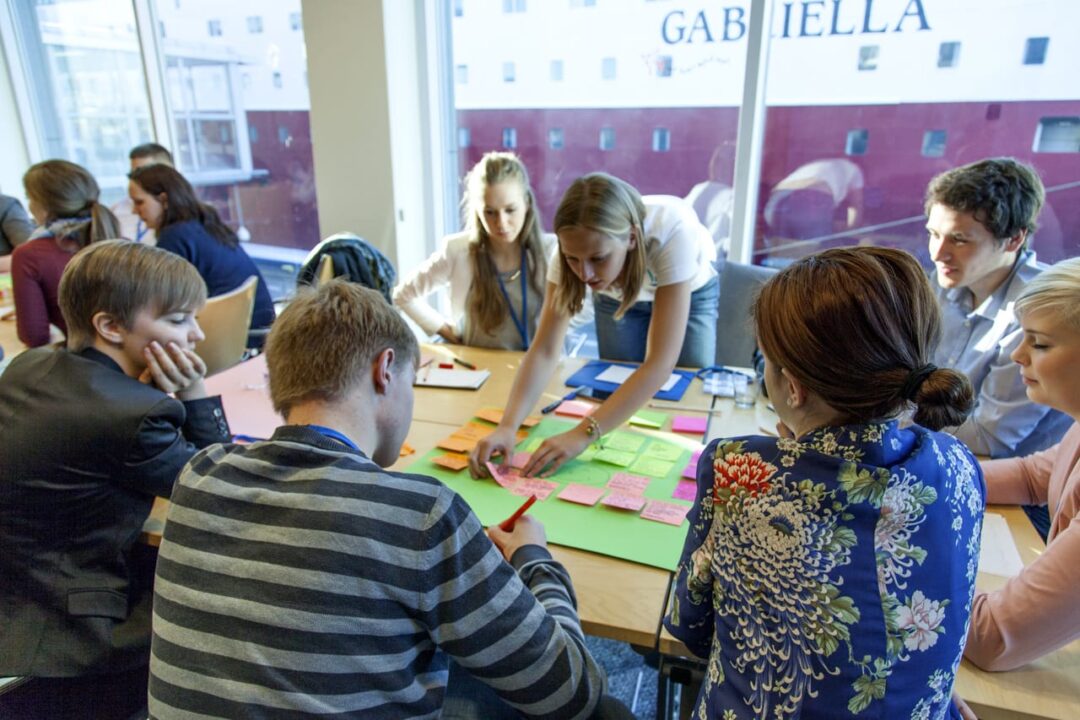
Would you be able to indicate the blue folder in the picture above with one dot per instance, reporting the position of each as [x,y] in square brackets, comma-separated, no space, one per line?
[587,376]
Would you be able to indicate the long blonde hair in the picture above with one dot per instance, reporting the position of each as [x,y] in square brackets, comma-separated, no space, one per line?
[67,191]
[611,206]
[485,302]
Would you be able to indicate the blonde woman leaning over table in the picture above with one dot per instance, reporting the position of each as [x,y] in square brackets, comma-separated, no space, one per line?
[495,268]
[828,573]
[644,259]
[1038,611]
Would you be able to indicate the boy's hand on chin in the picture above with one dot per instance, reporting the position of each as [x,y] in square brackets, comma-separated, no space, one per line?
[174,370]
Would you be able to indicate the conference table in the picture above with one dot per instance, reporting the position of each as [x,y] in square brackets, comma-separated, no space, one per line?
[617,599]
[626,601]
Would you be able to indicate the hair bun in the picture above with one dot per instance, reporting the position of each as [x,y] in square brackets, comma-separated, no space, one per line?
[943,397]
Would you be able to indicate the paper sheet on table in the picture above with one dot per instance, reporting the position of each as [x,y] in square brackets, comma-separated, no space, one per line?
[618,374]
[458,379]
[998,554]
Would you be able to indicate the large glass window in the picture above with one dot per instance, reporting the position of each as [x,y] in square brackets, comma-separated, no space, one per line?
[233,105]
[924,108]
[85,79]
[645,91]
[239,113]
[864,104]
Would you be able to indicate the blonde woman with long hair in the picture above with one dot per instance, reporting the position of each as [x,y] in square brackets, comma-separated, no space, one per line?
[494,268]
[644,259]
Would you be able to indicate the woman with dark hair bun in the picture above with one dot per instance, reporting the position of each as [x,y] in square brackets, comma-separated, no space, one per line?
[166,202]
[830,571]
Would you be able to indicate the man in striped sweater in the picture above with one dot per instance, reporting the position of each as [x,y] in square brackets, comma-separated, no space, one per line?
[297,578]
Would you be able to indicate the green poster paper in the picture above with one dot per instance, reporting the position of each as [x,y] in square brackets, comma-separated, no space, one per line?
[600,528]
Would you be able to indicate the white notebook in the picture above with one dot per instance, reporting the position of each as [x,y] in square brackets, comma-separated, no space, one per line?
[460,379]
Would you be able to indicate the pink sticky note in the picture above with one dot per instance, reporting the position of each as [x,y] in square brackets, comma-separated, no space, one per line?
[686,424]
[520,459]
[665,512]
[685,491]
[690,471]
[623,501]
[504,476]
[582,494]
[575,408]
[628,484]
[534,486]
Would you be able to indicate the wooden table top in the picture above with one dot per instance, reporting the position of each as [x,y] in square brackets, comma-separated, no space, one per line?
[617,599]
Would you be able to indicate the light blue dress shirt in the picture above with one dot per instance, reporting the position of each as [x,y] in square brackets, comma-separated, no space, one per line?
[977,341]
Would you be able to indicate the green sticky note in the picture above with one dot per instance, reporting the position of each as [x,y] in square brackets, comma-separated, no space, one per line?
[663,451]
[649,419]
[587,454]
[615,457]
[651,466]
[626,442]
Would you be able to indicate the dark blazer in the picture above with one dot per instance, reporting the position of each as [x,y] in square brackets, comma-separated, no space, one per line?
[222,268]
[83,451]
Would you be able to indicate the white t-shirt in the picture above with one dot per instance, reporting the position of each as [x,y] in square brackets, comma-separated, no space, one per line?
[677,248]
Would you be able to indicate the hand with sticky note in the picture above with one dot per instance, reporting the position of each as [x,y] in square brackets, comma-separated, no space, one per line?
[527,531]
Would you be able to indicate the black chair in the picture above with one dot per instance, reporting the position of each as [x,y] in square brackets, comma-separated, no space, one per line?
[739,284]
[354,258]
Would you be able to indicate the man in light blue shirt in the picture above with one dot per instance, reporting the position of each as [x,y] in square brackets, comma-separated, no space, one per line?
[980,220]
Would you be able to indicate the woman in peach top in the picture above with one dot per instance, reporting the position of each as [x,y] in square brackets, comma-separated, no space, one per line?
[1038,611]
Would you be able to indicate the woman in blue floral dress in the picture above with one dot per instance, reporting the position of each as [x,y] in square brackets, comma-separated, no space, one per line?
[829,572]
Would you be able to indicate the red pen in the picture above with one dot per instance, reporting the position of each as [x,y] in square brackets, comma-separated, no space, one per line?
[507,525]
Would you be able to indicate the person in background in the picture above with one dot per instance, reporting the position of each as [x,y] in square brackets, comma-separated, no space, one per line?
[327,585]
[132,226]
[166,202]
[15,225]
[1037,611]
[818,199]
[649,263]
[980,220]
[64,202]
[829,572]
[495,268]
[89,435]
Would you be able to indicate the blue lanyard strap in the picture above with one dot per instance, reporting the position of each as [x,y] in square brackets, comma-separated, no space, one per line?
[334,435]
[522,323]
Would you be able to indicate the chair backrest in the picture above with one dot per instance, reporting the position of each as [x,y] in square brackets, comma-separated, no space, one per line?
[326,269]
[734,327]
[352,257]
[225,320]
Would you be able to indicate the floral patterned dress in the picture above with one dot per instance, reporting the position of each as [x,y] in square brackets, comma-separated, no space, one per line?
[830,576]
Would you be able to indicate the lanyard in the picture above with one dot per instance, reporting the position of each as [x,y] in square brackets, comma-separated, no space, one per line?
[522,323]
[140,231]
[334,435]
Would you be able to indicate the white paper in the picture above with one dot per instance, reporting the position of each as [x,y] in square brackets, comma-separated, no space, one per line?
[998,555]
[618,374]
[460,379]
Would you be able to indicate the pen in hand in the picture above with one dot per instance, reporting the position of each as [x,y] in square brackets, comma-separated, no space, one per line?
[507,525]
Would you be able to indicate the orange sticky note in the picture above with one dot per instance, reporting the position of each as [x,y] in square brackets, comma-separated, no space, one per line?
[452,461]
[406,449]
[456,444]
[473,431]
[495,415]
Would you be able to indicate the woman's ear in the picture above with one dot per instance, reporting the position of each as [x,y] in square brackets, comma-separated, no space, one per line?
[796,391]
[108,328]
[631,241]
[163,198]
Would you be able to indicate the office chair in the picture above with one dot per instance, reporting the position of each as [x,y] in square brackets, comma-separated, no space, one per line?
[739,284]
[225,321]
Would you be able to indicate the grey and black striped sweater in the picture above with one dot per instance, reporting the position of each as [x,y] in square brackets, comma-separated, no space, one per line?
[296,578]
